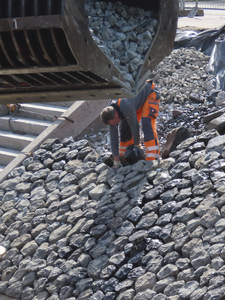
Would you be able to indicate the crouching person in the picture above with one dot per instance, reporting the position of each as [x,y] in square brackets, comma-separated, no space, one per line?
[129,112]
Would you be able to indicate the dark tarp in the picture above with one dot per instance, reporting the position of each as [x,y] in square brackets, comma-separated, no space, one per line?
[203,41]
[212,43]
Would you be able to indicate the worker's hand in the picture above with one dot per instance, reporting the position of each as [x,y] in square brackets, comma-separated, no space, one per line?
[138,150]
[117,164]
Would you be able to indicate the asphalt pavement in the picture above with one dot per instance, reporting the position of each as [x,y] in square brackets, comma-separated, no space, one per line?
[212,19]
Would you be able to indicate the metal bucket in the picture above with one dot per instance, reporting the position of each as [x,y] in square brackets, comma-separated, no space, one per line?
[47,52]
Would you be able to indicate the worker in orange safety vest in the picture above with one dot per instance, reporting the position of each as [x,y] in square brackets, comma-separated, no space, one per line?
[129,112]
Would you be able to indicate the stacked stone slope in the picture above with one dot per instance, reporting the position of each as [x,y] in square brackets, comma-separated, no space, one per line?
[74,228]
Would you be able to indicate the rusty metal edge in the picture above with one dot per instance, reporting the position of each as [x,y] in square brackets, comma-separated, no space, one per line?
[76,29]
[61,96]
[163,41]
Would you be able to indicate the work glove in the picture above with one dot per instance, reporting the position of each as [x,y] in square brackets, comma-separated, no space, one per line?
[117,164]
[138,150]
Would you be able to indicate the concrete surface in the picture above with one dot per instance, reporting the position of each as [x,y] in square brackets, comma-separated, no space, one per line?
[212,19]
[82,114]
[184,13]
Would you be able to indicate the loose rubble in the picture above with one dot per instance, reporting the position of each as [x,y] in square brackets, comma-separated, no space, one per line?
[75,228]
[123,33]
[188,95]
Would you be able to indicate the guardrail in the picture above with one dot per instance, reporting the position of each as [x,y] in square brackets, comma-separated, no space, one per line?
[203,4]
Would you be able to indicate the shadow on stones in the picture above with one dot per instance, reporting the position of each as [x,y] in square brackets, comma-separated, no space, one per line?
[174,138]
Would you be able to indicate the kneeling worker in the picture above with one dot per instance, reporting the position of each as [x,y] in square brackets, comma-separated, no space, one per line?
[129,112]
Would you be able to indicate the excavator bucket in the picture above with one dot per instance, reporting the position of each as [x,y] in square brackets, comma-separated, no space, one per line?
[49,50]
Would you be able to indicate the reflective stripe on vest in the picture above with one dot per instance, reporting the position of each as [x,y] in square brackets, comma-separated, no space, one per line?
[122,148]
[152,148]
[152,155]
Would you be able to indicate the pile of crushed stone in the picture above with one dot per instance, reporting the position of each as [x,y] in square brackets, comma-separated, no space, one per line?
[123,33]
[75,228]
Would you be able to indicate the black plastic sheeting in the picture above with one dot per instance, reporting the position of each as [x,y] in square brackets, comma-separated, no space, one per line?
[216,63]
[203,41]
[212,43]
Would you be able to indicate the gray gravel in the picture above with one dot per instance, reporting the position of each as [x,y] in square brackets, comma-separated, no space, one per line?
[123,33]
[188,95]
[74,228]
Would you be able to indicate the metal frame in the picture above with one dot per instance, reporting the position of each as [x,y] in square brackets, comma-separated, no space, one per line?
[47,52]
